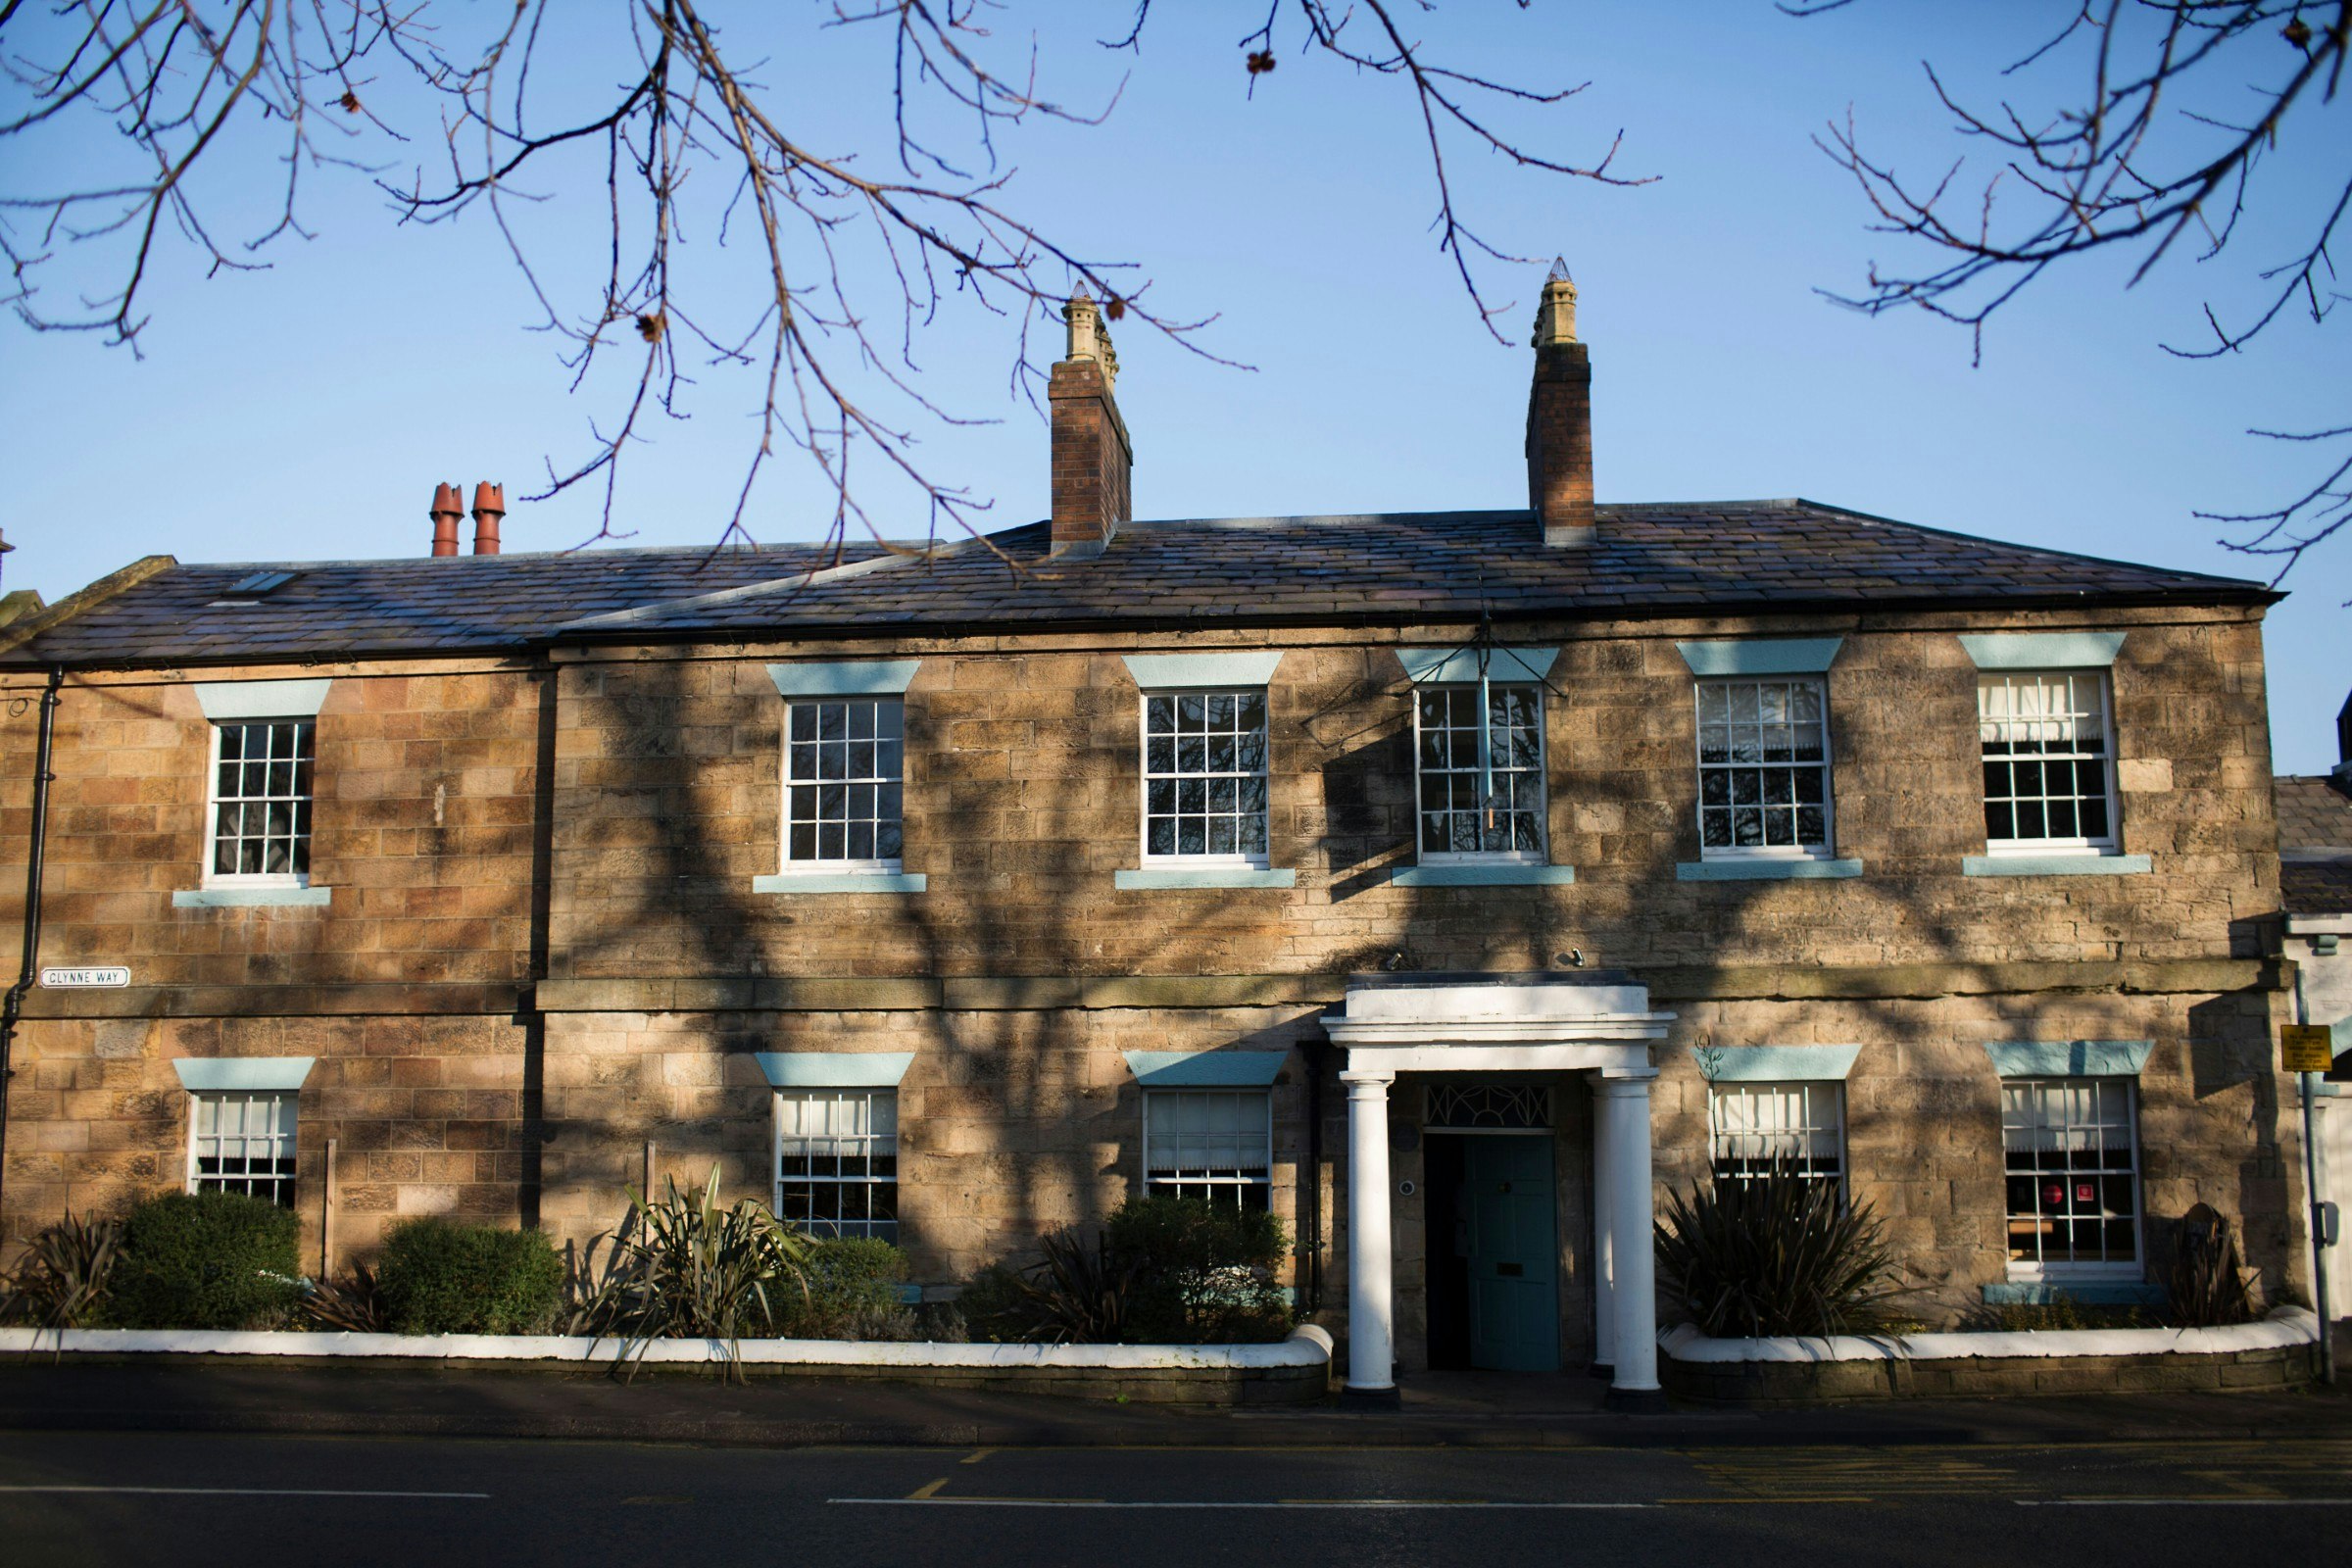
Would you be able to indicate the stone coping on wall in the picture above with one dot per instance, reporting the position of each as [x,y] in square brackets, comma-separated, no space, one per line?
[1308,1347]
[2286,1327]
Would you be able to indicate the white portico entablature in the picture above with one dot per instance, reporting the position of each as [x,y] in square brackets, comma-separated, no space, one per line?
[1543,1023]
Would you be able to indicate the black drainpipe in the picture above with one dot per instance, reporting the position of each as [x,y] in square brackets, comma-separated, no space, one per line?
[1312,1210]
[14,1008]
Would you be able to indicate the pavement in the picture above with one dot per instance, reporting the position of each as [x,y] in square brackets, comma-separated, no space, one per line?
[1454,1409]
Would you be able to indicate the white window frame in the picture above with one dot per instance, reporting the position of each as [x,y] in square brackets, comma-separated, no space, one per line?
[1482,688]
[1173,1186]
[1827,848]
[213,800]
[1830,1093]
[281,1183]
[775,1162]
[2037,1269]
[787,865]
[1257,860]
[2112,842]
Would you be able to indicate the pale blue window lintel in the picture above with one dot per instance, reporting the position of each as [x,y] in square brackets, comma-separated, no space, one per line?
[1206,1070]
[229,701]
[2044,650]
[1763,869]
[1768,655]
[1204,876]
[1459,665]
[1165,672]
[834,1069]
[1763,1064]
[858,677]
[842,882]
[288,897]
[1470,874]
[218,1074]
[2070,1059]
[2054,864]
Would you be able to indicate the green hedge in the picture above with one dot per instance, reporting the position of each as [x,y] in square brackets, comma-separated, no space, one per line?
[1204,1273]
[205,1261]
[437,1277]
[852,1294]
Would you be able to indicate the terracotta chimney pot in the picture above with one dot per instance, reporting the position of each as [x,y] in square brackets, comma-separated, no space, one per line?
[489,506]
[447,509]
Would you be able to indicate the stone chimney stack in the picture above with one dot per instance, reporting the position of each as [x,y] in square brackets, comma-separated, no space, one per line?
[489,508]
[1092,460]
[447,509]
[1560,419]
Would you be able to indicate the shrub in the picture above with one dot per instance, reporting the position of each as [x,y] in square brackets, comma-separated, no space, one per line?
[852,1294]
[1202,1273]
[2208,1288]
[1778,1253]
[1161,1271]
[60,1283]
[2060,1312]
[205,1261]
[685,1268]
[352,1304]
[437,1277]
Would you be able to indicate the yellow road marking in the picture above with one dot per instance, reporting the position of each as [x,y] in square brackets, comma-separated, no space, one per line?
[976,1455]
[920,1493]
[1823,1498]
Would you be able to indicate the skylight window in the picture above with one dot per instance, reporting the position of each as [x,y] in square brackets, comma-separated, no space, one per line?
[260,585]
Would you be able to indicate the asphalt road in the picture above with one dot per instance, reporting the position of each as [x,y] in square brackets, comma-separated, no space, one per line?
[194,1499]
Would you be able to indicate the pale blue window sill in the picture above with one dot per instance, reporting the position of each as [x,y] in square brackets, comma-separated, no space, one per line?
[2054,866]
[1501,874]
[1763,869]
[2090,1293]
[842,882]
[1205,876]
[251,898]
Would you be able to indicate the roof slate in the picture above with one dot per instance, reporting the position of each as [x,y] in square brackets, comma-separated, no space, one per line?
[2314,812]
[1393,567]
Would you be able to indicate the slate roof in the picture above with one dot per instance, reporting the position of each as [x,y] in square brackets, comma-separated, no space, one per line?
[2315,816]
[1392,567]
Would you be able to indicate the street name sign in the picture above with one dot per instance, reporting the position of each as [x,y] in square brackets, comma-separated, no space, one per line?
[88,978]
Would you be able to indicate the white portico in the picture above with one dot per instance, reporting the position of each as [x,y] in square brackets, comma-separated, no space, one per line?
[1598,1024]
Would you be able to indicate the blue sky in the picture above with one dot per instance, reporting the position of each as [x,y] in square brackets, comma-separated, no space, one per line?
[308,411]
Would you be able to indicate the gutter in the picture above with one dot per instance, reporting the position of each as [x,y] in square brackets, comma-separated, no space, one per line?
[34,861]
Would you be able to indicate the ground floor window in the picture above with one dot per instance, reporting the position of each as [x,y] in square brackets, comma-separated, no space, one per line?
[837,1161]
[242,1141]
[1216,1144]
[1754,1127]
[2073,1157]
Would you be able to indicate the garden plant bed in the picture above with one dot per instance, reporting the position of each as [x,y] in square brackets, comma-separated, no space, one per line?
[2276,1353]
[1296,1370]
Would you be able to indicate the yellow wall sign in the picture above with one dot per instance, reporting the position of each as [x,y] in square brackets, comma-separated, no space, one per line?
[2306,1048]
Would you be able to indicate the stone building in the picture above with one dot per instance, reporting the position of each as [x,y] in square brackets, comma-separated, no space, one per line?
[1450,883]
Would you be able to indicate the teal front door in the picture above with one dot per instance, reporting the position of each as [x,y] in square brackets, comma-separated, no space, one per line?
[1514,1272]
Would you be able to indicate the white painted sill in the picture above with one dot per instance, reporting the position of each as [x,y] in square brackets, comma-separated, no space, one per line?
[1308,1347]
[842,882]
[269,895]
[2287,1327]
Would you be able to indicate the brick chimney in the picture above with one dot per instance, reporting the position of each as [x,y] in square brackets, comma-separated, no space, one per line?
[1092,459]
[1560,419]
[489,506]
[447,509]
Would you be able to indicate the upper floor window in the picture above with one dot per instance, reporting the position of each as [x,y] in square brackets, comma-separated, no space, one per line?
[260,802]
[1204,777]
[1763,768]
[1480,773]
[844,783]
[242,1141]
[2048,751]
[2072,1149]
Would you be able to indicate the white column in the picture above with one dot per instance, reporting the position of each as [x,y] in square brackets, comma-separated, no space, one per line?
[1371,1300]
[1605,1229]
[1624,1099]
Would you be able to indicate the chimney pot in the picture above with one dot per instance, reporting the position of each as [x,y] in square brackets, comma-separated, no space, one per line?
[489,506]
[1560,419]
[1093,462]
[447,509]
